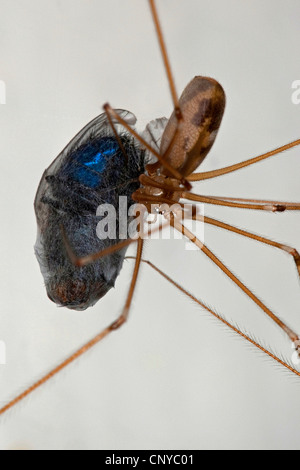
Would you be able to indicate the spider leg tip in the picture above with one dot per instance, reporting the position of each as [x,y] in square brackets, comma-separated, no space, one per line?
[296,354]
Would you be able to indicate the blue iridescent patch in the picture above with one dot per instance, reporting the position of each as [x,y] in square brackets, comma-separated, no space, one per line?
[90,161]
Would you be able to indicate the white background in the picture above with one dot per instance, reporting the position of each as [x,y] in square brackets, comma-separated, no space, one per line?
[172,377]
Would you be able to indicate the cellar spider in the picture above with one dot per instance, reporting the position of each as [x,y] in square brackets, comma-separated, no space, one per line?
[246,152]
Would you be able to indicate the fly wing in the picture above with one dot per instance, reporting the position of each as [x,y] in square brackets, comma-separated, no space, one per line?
[96,128]
[152,135]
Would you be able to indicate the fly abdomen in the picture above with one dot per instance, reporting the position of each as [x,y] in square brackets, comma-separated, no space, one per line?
[92,170]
